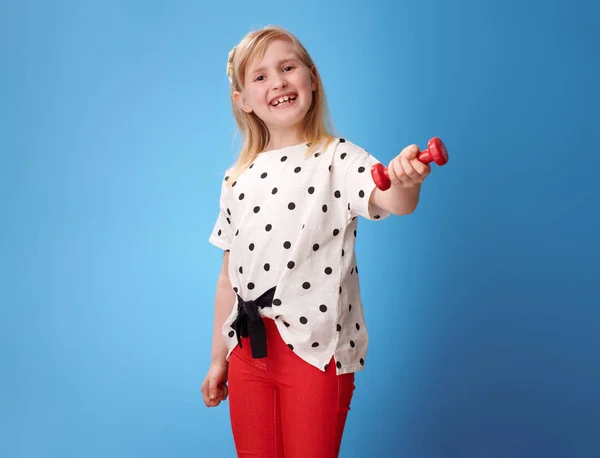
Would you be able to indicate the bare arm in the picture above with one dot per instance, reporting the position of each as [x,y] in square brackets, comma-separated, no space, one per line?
[224,301]
[396,200]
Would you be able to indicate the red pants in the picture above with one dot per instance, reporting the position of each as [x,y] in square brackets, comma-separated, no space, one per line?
[281,406]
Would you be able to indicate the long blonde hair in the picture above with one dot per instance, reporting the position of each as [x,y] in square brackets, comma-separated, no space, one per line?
[317,123]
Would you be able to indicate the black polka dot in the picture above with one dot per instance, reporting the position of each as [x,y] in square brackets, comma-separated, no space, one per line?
[328,270]
[241,197]
[340,290]
[241,270]
[361,169]
[362,362]
[343,155]
[291,264]
[274,191]
[237,232]
[337,194]
[361,193]
[311,190]
[354,232]
[350,307]
[316,247]
[287,245]
[324,208]
[227,178]
[376,217]
[306,285]
[315,344]
[268,227]
[287,325]
[235,288]
[297,169]
[291,205]
[229,212]
[250,285]
[276,302]
[231,333]
[330,168]
[256,209]
[267,266]
[342,140]
[343,252]
[251,165]
[338,365]
[263,175]
[352,344]
[356,268]
[228,220]
[323,308]
[317,154]
[351,271]
[251,247]
[325,367]
[233,184]
[336,232]
[283,158]
[339,327]
[357,327]
[291,347]
[219,233]
[303,320]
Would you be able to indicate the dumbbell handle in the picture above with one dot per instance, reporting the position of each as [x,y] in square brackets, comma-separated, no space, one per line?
[436,152]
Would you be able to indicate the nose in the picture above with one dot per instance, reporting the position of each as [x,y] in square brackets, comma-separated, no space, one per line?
[279,81]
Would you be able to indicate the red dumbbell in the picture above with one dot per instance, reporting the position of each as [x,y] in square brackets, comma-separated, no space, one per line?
[435,152]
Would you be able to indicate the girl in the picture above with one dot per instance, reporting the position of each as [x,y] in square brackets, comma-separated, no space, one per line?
[289,330]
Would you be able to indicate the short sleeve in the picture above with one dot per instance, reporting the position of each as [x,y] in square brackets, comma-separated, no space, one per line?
[222,233]
[359,186]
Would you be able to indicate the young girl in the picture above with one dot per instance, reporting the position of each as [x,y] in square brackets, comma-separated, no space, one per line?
[289,330]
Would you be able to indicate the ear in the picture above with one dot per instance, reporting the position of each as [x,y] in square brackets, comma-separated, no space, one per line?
[238,98]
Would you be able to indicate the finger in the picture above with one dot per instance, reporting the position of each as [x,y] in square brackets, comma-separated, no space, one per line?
[422,169]
[204,391]
[410,171]
[225,391]
[410,152]
[396,172]
[212,390]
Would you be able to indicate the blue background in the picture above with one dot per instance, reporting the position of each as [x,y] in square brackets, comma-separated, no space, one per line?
[483,306]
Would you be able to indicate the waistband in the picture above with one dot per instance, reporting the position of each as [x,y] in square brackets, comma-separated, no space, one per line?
[249,323]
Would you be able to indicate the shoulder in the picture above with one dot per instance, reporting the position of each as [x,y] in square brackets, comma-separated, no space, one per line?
[346,153]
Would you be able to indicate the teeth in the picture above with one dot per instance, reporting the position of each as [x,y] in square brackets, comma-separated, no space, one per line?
[286,98]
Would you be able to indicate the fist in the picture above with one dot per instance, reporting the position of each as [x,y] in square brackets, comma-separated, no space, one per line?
[214,388]
[405,170]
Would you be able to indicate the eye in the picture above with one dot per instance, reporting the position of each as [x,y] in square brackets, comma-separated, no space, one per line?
[288,68]
[258,78]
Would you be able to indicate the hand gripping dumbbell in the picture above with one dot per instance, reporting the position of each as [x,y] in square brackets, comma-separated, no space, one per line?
[435,152]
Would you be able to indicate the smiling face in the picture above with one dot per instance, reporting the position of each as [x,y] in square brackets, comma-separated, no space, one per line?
[278,87]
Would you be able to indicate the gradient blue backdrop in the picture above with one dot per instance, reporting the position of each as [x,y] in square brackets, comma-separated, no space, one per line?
[483,306]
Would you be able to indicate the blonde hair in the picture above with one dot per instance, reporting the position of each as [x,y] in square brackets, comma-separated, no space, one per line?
[317,123]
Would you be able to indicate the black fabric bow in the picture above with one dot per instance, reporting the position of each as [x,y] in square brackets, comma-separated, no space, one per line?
[249,322]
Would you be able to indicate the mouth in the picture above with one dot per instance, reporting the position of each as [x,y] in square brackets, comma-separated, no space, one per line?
[284,100]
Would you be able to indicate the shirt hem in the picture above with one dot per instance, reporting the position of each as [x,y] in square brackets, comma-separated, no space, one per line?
[349,369]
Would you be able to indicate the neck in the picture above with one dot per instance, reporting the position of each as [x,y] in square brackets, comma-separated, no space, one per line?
[283,137]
